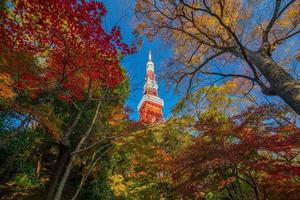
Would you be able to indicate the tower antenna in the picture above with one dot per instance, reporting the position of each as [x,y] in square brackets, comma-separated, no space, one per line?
[150,55]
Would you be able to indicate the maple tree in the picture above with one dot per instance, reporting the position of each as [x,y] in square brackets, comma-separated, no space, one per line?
[69,48]
[59,61]
[141,170]
[60,54]
[248,156]
[230,38]
[94,145]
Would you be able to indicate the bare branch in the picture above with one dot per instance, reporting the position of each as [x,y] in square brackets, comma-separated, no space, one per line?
[229,75]
[285,7]
[241,47]
[126,133]
[279,41]
[194,72]
[272,21]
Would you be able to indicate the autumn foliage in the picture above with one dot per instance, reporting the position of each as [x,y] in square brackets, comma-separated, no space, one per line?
[59,68]
[249,149]
[65,132]
[59,46]
[227,39]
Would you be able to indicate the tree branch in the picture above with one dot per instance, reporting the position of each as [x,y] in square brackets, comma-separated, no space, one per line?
[271,22]
[279,41]
[241,47]
[229,75]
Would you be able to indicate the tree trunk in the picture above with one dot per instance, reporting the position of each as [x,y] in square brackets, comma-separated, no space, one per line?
[83,179]
[64,179]
[90,169]
[281,82]
[73,157]
[64,155]
[39,165]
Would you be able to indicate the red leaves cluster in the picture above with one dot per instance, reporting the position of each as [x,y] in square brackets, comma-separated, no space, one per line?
[251,147]
[226,182]
[68,40]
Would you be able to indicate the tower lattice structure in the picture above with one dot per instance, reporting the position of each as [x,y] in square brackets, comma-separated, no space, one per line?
[151,105]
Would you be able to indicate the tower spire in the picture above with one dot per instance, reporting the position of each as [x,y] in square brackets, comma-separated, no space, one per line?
[150,106]
[150,56]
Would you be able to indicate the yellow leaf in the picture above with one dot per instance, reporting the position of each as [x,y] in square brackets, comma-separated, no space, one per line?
[6,90]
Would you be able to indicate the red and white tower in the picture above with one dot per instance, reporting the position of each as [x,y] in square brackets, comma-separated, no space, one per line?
[150,106]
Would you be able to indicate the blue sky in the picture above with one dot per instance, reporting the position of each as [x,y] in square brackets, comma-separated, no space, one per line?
[120,13]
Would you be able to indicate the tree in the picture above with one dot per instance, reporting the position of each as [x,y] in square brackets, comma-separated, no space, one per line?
[248,156]
[210,34]
[141,169]
[70,48]
[57,65]
[237,151]
[94,146]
